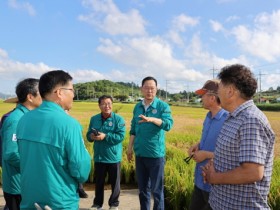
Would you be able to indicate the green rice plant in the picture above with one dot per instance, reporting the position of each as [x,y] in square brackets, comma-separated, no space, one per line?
[274,193]
[178,179]
[127,171]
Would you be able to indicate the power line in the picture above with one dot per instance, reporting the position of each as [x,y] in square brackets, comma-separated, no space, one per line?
[213,71]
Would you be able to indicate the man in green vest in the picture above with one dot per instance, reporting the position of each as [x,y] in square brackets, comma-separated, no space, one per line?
[28,98]
[54,159]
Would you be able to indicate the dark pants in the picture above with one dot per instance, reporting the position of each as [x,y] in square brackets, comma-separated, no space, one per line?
[101,170]
[199,200]
[12,201]
[150,178]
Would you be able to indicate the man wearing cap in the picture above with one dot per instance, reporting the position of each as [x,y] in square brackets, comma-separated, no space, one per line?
[28,98]
[204,149]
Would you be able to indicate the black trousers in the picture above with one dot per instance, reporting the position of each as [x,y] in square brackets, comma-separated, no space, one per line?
[12,201]
[199,200]
[101,170]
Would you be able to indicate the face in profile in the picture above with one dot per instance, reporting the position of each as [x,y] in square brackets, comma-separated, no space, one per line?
[37,100]
[66,93]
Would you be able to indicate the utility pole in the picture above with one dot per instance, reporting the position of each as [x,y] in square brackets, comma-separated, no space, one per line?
[213,71]
[260,85]
[166,92]
[132,90]
[188,97]
[93,92]
[77,93]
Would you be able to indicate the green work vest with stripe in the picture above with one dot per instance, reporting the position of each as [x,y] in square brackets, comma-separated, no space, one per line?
[53,158]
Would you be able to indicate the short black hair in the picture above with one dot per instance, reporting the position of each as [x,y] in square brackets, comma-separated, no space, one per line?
[25,87]
[148,78]
[51,79]
[241,77]
[101,98]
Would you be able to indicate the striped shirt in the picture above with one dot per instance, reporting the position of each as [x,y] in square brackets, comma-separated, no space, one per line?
[245,137]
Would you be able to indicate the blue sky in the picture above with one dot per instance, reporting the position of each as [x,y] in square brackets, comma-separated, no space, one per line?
[178,42]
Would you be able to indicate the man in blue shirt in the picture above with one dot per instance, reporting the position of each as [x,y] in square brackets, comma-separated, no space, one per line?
[151,118]
[241,171]
[204,149]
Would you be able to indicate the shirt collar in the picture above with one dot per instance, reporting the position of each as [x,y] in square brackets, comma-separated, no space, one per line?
[243,106]
[152,104]
[22,108]
[106,117]
[218,115]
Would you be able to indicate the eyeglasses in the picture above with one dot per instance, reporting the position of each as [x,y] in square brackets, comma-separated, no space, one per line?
[62,88]
[107,104]
[187,159]
[146,88]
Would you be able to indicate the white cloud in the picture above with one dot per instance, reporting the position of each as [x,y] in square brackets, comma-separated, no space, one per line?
[148,56]
[263,40]
[12,71]
[182,21]
[232,18]
[108,18]
[175,37]
[3,54]
[179,25]
[86,76]
[198,56]
[25,6]
[216,26]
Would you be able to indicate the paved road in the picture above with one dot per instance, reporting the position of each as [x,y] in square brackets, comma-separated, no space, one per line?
[128,200]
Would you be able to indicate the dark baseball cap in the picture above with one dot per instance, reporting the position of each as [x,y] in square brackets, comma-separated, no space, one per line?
[210,86]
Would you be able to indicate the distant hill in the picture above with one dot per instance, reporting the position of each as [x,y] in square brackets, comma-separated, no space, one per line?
[4,96]
[93,90]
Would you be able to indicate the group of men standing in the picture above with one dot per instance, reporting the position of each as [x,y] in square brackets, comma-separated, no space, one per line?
[45,159]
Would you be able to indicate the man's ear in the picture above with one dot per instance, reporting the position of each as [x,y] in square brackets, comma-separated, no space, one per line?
[230,91]
[29,97]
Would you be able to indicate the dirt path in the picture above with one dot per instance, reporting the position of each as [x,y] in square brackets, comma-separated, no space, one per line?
[128,200]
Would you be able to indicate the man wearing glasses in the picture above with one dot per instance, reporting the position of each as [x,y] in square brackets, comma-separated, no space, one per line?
[202,151]
[53,157]
[151,118]
[107,131]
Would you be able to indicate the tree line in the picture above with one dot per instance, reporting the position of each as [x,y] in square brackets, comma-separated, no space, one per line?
[122,91]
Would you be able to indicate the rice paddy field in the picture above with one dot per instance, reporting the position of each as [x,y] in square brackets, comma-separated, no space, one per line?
[186,131]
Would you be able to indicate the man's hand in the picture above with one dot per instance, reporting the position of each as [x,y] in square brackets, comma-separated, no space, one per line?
[208,172]
[199,156]
[156,121]
[129,154]
[145,119]
[193,149]
[100,137]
